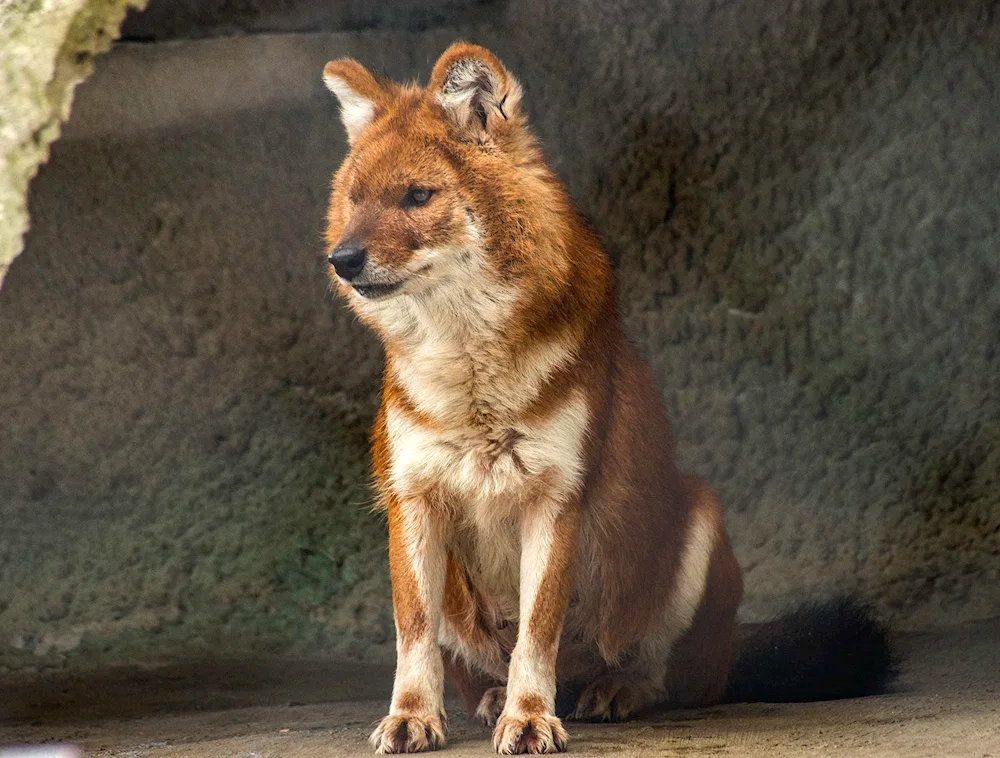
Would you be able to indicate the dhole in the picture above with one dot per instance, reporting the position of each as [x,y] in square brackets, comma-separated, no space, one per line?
[540,533]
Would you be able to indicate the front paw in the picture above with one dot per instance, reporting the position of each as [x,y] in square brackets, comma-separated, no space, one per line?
[409,733]
[540,733]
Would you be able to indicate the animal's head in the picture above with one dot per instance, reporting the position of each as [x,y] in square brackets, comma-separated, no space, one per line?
[442,186]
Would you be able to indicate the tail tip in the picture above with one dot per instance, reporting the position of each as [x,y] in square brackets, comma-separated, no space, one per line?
[837,649]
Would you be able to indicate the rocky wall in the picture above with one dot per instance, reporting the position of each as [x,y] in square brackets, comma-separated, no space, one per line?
[802,200]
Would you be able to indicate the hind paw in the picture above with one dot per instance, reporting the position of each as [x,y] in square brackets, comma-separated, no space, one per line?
[611,698]
[491,705]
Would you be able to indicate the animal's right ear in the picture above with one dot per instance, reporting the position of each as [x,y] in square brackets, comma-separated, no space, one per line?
[359,92]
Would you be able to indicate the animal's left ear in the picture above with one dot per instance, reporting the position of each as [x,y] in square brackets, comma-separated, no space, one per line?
[477,93]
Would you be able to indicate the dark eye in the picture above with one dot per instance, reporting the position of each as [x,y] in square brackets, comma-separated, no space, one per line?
[416,197]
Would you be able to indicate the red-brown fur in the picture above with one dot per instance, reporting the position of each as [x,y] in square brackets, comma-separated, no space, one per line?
[621,514]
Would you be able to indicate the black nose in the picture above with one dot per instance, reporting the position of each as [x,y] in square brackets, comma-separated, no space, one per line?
[347,260]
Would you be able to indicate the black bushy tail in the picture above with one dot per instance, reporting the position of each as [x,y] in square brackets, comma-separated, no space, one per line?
[828,651]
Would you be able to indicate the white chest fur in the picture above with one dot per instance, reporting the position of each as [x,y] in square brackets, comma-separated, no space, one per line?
[472,387]
[486,472]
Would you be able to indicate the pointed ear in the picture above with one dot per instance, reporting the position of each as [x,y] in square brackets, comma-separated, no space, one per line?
[477,93]
[359,92]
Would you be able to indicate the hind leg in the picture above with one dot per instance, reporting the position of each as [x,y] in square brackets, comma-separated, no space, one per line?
[682,671]
[628,687]
[699,663]
[618,695]
[700,660]
[685,659]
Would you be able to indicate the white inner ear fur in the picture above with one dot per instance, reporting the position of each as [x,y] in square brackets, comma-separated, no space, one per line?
[471,85]
[355,111]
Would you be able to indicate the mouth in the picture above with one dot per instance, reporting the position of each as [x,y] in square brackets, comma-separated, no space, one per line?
[377,290]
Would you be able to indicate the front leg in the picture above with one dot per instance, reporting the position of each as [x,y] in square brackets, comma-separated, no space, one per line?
[417,560]
[549,538]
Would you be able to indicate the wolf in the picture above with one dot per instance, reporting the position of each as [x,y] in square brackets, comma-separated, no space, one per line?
[543,544]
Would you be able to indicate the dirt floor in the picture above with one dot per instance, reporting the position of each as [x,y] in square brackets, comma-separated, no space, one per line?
[946,703]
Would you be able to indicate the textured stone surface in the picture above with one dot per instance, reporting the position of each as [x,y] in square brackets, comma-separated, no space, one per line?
[803,202]
[186,19]
[46,48]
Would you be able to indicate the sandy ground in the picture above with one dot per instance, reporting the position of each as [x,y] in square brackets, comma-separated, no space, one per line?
[946,703]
